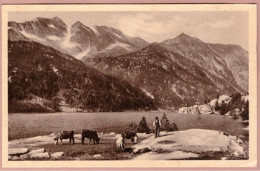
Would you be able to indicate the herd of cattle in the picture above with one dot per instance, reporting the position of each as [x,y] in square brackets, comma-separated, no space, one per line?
[92,135]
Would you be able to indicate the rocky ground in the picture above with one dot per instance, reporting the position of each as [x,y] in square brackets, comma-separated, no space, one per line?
[192,144]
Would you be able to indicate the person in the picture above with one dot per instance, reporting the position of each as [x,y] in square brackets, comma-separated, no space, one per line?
[156,126]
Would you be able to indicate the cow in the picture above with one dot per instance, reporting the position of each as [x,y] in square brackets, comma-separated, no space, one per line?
[89,134]
[65,135]
[130,135]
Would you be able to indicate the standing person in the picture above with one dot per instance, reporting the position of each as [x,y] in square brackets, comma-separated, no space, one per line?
[156,126]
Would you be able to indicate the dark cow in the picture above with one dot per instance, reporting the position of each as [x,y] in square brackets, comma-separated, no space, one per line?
[89,135]
[65,135]
[130,135]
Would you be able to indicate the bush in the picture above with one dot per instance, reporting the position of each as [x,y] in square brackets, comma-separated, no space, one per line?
[245,113]
[143,127]
[166,126]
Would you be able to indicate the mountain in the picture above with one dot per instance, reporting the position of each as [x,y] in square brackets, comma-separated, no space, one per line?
[236,59]
[41,78]
[78,39]
[167,76]
[218,59]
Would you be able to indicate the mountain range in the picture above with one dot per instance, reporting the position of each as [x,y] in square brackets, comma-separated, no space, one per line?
[180,71]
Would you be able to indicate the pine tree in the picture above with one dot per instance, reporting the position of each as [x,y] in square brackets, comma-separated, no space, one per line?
[245,113]
[165,123]
[143,127]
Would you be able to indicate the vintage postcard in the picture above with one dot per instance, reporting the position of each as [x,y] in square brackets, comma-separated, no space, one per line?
[136,86]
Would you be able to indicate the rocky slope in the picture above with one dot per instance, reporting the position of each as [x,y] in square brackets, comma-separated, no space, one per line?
[218,59]
[41,78]
[236,59]
[78,39]
[177,72]
[166,76]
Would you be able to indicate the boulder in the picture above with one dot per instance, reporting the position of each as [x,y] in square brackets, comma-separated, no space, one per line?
[228,114]
[44,155]
[98,156]
[41,150]
[17,151]
[224,99]
[195,109]
[183,110]
[15,158]
[236,154]
[57,155]
[223,158]
[205,109]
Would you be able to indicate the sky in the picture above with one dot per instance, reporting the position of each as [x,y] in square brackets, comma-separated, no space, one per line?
[209,26]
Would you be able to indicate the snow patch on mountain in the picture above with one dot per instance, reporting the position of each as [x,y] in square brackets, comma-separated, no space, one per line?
[119,36]
[52,37]
[118,44]
[84,53]
[31,36]
[51,25]
[66,43]
[147,93]
[176,92]
[218,66]
[93,28]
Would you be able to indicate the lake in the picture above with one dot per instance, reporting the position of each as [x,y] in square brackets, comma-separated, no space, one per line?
[23,125]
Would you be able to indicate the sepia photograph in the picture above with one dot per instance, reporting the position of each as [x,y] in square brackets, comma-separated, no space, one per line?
[116,83]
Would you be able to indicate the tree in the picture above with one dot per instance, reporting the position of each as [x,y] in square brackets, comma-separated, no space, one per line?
[224,108]
[143,127]
[217,107]
[165,123]
[245,113]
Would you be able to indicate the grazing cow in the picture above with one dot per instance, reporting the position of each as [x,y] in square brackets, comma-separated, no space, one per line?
[65,135]
[120,142]
[90,135]
[130,135]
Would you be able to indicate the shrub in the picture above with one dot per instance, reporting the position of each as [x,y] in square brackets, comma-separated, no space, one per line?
[245,113]
[143,127]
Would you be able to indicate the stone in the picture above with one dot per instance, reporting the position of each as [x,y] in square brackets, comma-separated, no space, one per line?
[183,110]
[97,156]
[17,151]
[205,109]
[25,156]
[15,158]
[41,150]
[236,154]
[57,155]
[44,155]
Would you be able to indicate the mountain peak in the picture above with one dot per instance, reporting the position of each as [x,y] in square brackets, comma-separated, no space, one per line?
[56,18]
[78,24]
[184,35]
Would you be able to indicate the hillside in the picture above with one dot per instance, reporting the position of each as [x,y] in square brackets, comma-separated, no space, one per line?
[229,62]
[166,76]
[236,59]
[41,78]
